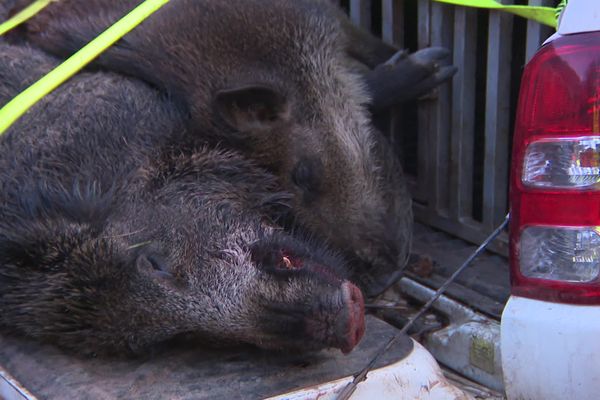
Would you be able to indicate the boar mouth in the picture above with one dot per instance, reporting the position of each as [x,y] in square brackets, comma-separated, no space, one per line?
[335,319]
[326,311]
[348,326]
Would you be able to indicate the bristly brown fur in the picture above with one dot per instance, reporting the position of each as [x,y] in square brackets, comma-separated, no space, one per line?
[114,236]
[271,79]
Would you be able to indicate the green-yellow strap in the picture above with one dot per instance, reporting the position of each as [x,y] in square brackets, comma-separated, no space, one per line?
[543,15]
[24,15]
[20,104]
[560,7]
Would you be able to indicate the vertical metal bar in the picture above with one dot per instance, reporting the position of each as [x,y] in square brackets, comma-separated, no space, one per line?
[441,35]
[426,140]
[392,31]
[463,113]
[392,21]
[495,181]
[360,13]
[536,32]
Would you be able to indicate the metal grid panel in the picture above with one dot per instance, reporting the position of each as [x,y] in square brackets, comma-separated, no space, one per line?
[449,140]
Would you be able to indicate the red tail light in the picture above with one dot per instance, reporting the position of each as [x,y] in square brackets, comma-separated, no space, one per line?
[555,180]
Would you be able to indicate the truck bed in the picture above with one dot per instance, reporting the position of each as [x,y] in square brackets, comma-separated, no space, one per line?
[184,371]
[484,286]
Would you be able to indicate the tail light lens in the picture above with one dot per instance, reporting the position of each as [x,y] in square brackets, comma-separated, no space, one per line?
[563,163]
[555,179]
[563,254]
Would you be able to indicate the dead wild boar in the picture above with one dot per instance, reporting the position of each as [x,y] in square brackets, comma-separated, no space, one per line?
[113,237]
[271,79]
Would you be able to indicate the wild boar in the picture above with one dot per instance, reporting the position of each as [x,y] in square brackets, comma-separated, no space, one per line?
[113,237]
[271,79]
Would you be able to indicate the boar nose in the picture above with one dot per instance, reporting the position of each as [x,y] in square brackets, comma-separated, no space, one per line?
[350,325]
[338,320]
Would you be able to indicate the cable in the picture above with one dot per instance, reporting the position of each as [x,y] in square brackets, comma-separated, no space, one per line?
[362,375]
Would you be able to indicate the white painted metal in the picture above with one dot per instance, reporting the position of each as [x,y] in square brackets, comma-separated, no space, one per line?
[417,376]
[10,389]
[580,16]
[550,351]
[470,343]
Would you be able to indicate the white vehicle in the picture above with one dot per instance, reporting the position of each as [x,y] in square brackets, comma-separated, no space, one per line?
[551,322]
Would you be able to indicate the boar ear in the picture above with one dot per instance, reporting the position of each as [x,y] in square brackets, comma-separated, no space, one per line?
[252,108]
[154,267]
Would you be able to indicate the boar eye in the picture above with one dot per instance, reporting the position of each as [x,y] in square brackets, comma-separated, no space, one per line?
[289,263]
[154,266]
[274,258]
[306,176]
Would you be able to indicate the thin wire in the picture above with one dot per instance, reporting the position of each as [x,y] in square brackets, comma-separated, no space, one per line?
[362,375]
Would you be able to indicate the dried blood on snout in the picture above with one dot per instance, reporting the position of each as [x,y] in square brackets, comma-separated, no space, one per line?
[355,327]
[339,321]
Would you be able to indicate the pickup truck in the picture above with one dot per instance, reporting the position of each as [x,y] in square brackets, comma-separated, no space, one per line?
[524,328]
[544,345]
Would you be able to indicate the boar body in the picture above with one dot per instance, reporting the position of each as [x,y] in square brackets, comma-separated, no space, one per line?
[114,237]
[272,80]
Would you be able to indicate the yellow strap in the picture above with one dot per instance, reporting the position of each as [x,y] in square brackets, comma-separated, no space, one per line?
[23,15]
[20,104]
[543,15]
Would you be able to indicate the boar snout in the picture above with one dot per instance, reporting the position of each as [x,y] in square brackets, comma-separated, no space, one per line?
[310,302]
[338,320]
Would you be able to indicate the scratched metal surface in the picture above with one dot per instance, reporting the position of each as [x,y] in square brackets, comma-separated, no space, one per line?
[187,373]
[484,286]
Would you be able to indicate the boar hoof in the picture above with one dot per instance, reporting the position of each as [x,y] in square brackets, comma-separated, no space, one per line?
[403,77]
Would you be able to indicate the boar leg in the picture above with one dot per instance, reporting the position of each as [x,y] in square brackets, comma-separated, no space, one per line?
[395,76]
[404,77]
[363,46]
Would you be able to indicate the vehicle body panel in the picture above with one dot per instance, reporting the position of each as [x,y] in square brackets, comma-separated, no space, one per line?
[551,350]
[416,377]
[580,16]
